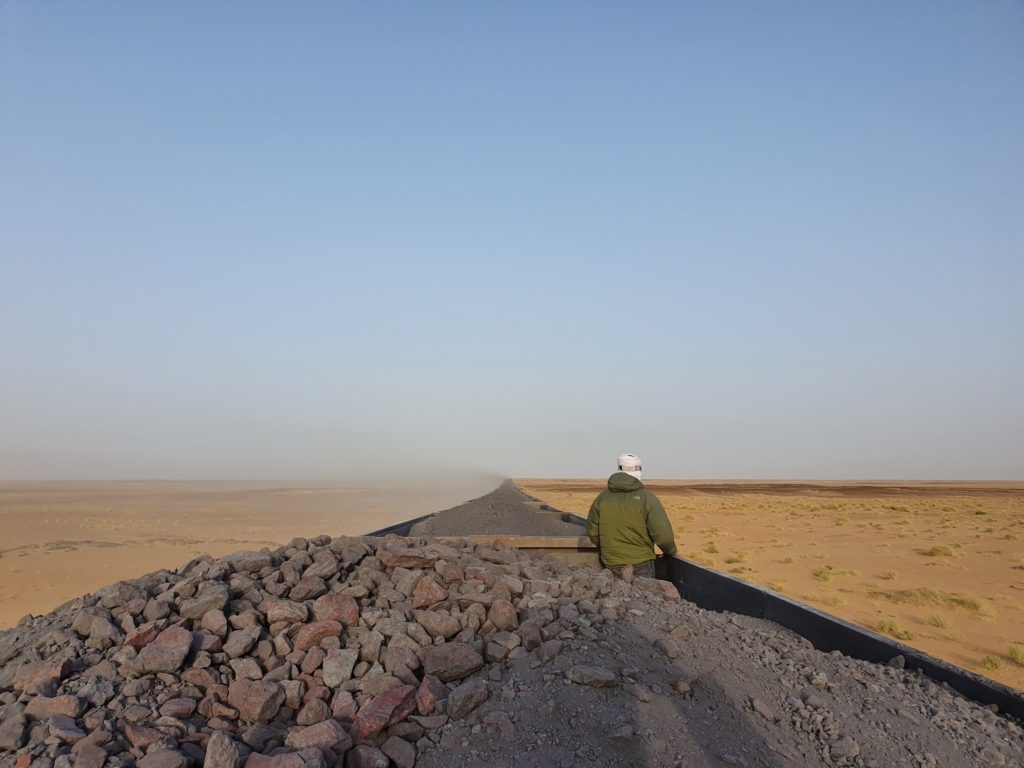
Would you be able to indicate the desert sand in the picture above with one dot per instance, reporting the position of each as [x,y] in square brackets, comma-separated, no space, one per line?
[939,566]
[61,540]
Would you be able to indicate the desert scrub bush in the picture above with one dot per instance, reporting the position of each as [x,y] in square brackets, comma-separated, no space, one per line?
[739,557]
[928,596]
[990,663]
[778,586]
[711,548]
[789,561]
[832,599]
[842,520]
[937,620]
[888,575]
[1016,654]
[827,573]
[890,627]
[940,550]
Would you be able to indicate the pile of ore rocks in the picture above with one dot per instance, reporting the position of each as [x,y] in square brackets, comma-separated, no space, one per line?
[327,652]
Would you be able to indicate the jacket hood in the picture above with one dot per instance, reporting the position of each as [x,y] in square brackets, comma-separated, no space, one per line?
[621,482]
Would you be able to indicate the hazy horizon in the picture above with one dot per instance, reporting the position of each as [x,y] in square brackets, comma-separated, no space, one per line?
[741,241]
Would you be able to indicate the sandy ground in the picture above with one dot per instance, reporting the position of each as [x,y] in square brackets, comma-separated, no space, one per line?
[60,540]
[939,566]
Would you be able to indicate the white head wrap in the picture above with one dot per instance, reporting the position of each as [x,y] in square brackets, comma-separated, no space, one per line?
[630,464]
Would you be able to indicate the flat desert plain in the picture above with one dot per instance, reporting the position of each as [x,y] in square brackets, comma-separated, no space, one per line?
[940,566]
[62,540]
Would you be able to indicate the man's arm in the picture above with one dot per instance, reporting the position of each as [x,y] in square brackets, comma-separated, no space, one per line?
[658,525]
[594,522]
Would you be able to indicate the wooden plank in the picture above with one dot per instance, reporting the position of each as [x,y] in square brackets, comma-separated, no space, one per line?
[528,542]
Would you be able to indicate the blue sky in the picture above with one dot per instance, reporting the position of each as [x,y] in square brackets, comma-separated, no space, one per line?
[740,239]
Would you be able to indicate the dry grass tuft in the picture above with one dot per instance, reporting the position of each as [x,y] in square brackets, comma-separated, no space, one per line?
[927,596]
[890,627]
[887,575]
[1016,654]
[940,550]
[828,573]
[938,620]
[990,663]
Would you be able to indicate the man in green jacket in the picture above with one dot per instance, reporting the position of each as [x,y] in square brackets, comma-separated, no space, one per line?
[627,520]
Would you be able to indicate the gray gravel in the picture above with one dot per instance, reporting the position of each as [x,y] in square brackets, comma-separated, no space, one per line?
[698,688]
[503,511]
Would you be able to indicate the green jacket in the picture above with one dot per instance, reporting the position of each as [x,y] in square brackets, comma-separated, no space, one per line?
[626,521]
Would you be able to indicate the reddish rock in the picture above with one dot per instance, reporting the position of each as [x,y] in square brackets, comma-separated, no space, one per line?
[143,636]
[401,752]
[430,692]
[308,588]
[180,708]
[343,706]
[338,666]
[438,624]
[287,760]
[200,678]
[312,634]
[294,690]
[427,592]
[466,698]
[212,598]
[12,732]
[337,607]
[39,676]
[241,641]
[376,683]
[451,573]
[406,558]
[398,658]
[503,615]
[167,652]
[597,677]
[256,700]
[328,734]
[218,709]
[215,622]
[387,708]
[141,736]
[451,661]
[66,729]
[499,556]
[315,711]
[248,562]
[325,565]
[90,756]
[285,610]
[221,752]
[43,707]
